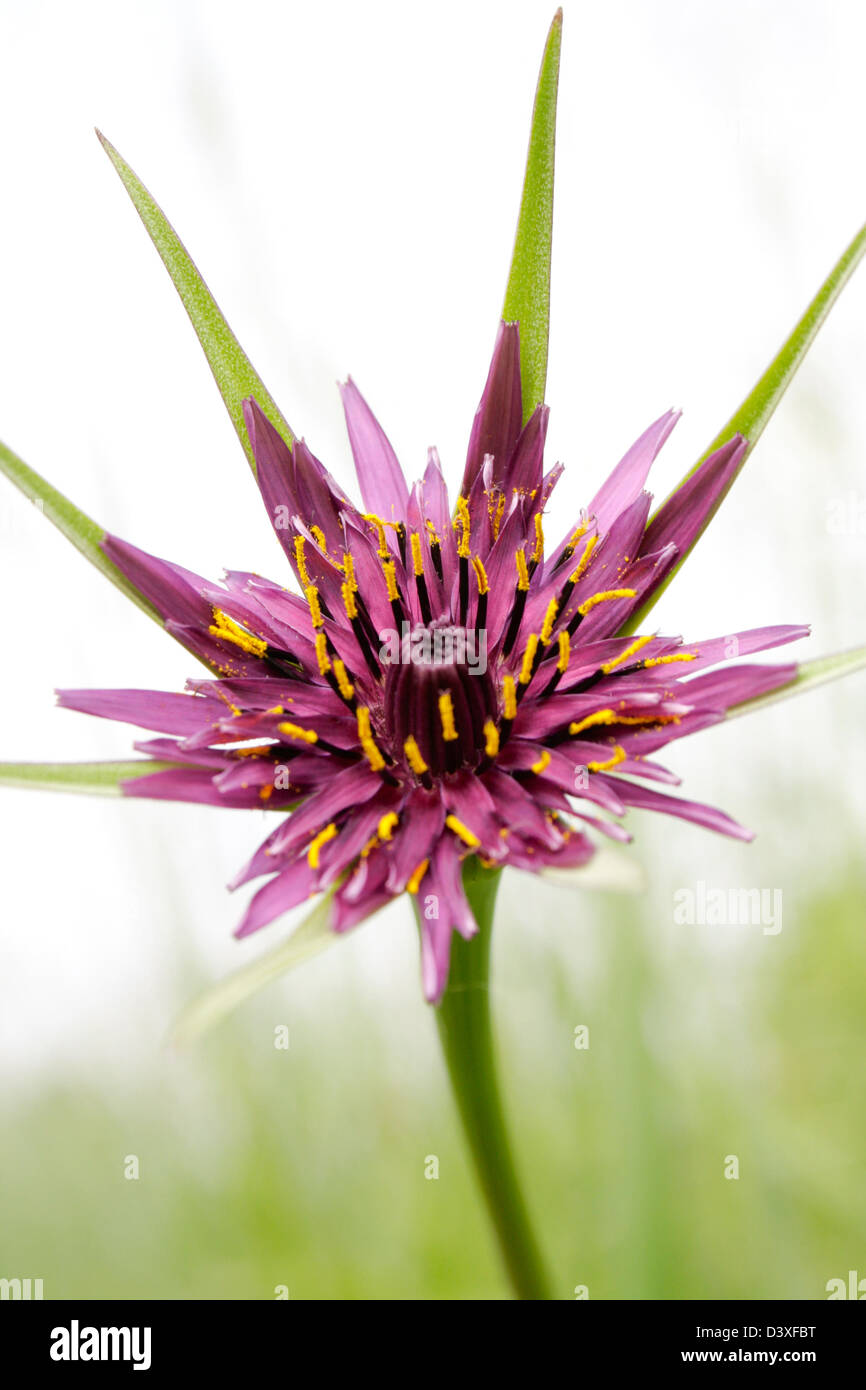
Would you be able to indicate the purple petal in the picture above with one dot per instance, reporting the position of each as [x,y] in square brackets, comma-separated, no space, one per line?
[627,479]
[499,418]
[380,476]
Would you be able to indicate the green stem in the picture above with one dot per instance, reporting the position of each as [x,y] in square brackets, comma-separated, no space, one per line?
[464,1020]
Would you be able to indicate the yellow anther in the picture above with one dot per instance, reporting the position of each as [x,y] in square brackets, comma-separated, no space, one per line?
[539,766]
[674,656]
[433,534]
[538,552]
[564,652]
[322,654]
[509,697]
[624,655]
[349,603]
[368,743]
[390,571]
[522,571]
[465,522]
[266,792]
[529,658]
[379,524]
[609,716]
[228,630]
[349,571]
[604,597]
[446,714]
[319,535]
[619,756]
[295,731]
[584,559]
[369,847]
[344,685]
[480,574]
[311,594]
[462,832]
[576,535]
[387,825]
[413,756]
[277,709]
[320,841]
[415,881]
[498,515]
[491,739]
[601,716]
[256,752]
[417,557]
[549,620]
[301,562]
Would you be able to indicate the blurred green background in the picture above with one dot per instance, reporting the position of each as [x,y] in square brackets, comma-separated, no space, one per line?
[305,1167]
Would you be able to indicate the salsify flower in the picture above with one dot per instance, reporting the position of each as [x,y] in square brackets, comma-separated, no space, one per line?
[447,683]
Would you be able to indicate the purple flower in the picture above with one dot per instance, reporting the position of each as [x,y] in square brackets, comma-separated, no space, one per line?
[446,684]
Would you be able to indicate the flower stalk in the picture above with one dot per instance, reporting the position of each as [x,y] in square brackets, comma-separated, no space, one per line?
[465,1029]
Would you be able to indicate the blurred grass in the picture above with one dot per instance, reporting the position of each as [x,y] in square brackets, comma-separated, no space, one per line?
[305,1168]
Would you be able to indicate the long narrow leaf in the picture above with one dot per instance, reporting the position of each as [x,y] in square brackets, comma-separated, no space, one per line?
[751,418]
[233,372]
[527,297]
[809,676]
[216,1003]
[84,533]
[98,779]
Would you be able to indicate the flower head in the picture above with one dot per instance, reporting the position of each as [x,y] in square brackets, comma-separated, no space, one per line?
[446,683]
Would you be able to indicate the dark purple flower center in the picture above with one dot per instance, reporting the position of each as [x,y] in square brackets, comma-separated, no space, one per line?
[439,698]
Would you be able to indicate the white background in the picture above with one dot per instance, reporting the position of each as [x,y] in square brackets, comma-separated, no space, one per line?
[347,177]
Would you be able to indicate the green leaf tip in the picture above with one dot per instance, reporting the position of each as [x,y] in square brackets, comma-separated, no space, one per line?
[527,296]
[233,372]
[97,779]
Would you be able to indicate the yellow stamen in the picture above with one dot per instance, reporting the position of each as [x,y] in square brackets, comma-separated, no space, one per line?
[321,839]
[498,514]
[390,570]
[433,536]
[446,714]
[349,571]
[345,686]
[277,709]
[379,524]
[311,594]
[542,763]
[674,656]
[509,695]
[480,574]
[413,756]
[366,740]
[322,654]
[624,655]
[319,535]
[465,523]
[462,832]
[266,792]
[227,630]
[417,557]
[491,736]
[549,620]
[301,562]
[619,756]
[538,552]
[522,571]
[576,535]
[584,559]
[415,881]
[564,652]
[609,716]
[295,731]
[387,825]
[529,658]
[604,597]
[349,602]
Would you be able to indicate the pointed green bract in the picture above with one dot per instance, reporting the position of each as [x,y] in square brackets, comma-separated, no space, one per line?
[215,1004]
[84,533]
[233,372]
[753,415]
[810,674]
[99,779]
[527,297]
